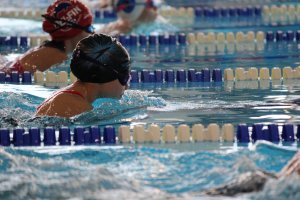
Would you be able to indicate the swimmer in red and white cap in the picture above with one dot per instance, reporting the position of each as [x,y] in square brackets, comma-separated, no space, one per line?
[131,13]
[67,22]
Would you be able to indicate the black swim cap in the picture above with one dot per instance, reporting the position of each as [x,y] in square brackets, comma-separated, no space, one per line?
[100,58]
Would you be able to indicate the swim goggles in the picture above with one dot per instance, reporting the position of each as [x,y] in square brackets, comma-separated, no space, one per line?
[67,24]
[123,77]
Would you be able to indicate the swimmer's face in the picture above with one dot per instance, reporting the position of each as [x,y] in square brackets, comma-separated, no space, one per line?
[114,89]
[124,81]
[129,10]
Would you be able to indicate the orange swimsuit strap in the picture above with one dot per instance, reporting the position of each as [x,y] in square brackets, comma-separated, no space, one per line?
[72,92]
[17,66]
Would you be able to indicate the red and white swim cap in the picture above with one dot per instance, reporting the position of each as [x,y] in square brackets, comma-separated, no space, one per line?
[65,19]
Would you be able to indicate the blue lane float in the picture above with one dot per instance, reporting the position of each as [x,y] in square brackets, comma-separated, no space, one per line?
[217,75]
[270,133]
[49,136]
[134,76]
[109,135]
[158,74]
[207,12]
[168,39]
[181,76]
[169,76]
[2,77]
[26,77]
[18,137]
[93,135]
[4,137]
[35,136]
[274,132]
[79,133]
[298,131]
[23,41]
[257,132]
[64,137]
[143,40]
[243,134]
[288,133]
[298,35]
[26,139]
[16,78]
[204,75]
[143,76]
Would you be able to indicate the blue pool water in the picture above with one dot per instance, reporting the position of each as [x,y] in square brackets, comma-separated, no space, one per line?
[156,171]
[138,172]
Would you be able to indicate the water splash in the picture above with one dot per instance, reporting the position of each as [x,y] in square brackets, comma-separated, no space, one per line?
[284,188]
[134,103]
[160,25]
[26,174]
[133,171]
[18,110]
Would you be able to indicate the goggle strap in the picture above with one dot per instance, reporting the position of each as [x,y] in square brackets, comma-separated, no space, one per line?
[68,23]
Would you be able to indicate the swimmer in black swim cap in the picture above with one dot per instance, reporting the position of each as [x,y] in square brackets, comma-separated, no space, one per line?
[102,66]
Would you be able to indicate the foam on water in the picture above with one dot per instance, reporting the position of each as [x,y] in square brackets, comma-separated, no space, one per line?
[18,108]
[160,25]
[154,106]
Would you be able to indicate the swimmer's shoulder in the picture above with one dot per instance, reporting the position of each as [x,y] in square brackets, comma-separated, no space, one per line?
[64,104]
[43,57]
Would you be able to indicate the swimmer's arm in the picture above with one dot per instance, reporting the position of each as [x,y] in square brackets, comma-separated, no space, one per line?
[41,59]
[292,166]
[116,28]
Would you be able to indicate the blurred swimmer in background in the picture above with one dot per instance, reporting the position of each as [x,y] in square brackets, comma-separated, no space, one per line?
[255,181]
[67,22]
[131,13]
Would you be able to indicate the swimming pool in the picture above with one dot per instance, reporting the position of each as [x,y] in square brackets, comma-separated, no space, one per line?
[158,171]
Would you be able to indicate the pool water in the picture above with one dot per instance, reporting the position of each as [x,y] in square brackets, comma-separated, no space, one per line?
[190,103]
[156,171]
[138,172]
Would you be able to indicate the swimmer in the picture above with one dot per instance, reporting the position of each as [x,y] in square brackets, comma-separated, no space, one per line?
[67,22]
[254,182]
[131,13]
[102,67]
